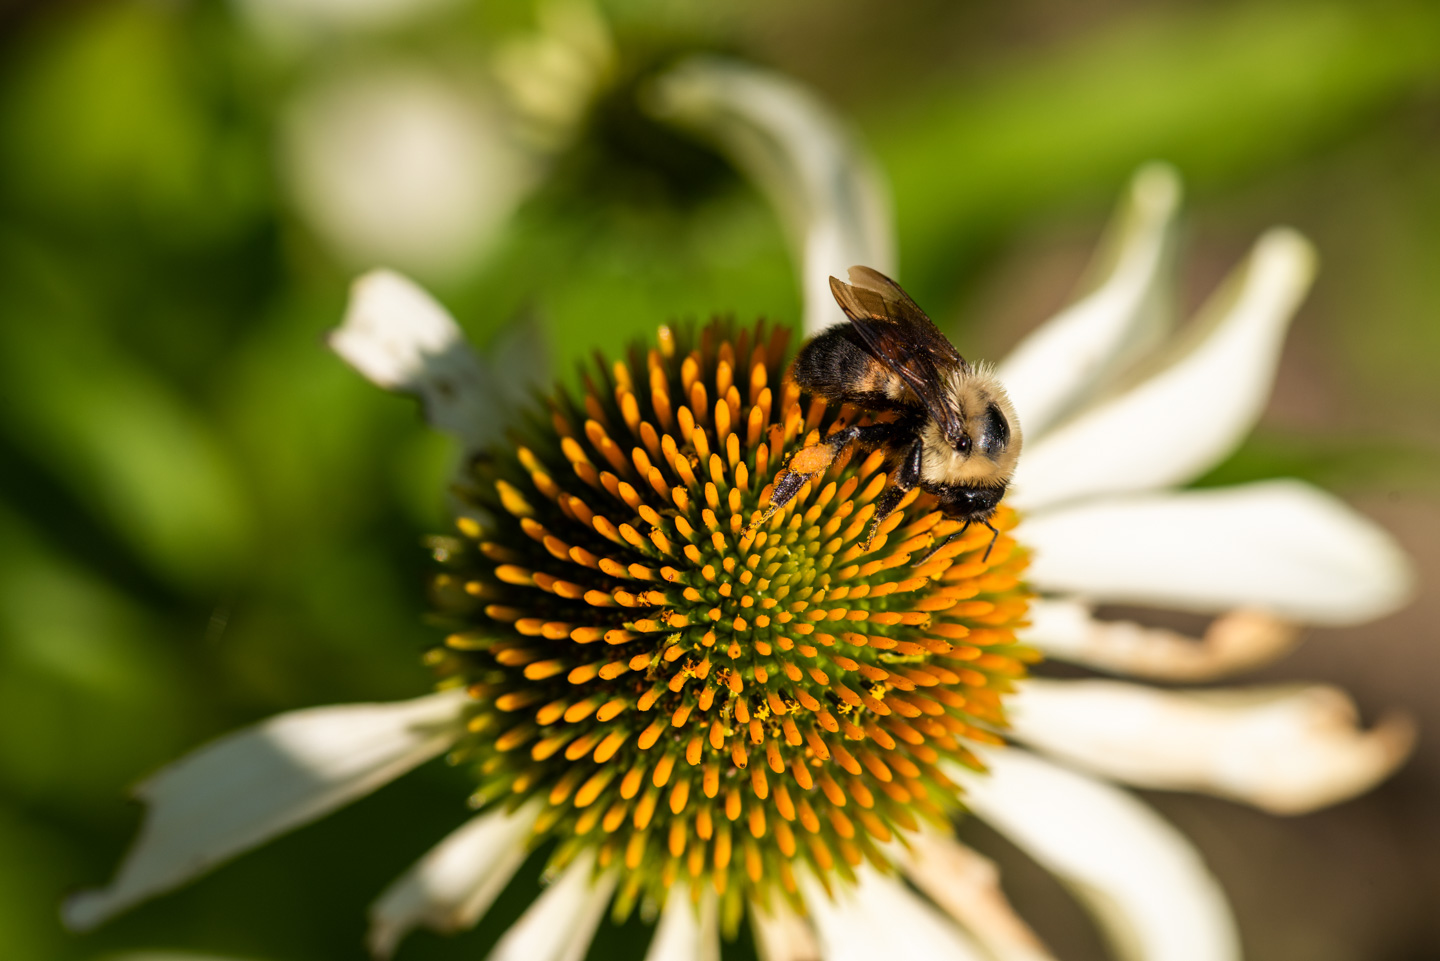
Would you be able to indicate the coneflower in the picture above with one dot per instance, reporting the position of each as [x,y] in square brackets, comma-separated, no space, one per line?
[693,696]
[683,703]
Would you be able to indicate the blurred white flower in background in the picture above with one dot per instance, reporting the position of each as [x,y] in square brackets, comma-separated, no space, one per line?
[1118,413]
[400,163]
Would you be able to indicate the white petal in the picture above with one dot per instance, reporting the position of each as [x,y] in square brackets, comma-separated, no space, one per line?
[1287,750]
[1146,886]
[827,189]
[687,932]
[1123,315]
[453,885]
[259,782]
[1280,546]
[880,918]
[1235,641]
[401,339]
[559,924]
[1175,425]
[781,934]
[967,885]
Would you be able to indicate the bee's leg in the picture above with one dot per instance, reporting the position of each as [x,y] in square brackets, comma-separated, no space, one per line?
[902,482]
[804,464]
[941,546]
[885,506]
[811,461]
[869,435]
[995,536]
[787,485]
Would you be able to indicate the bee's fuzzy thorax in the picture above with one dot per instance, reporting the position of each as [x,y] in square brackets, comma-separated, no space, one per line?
[973,392]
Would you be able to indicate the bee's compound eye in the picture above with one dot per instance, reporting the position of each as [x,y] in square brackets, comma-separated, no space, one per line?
[996,435]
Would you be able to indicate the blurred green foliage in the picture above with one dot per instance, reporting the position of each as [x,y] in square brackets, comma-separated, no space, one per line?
[206,518]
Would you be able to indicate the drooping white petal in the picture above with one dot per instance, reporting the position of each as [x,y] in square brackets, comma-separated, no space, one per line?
[1280,546]
[781,934]
[401,339]
[1235,641]
[559,924]
[880,918]
[261,781]
[967,885]
[828,191]
[1174,425]
[687,931]
[1288,750]
[1123,314]
[455,883]
[1146,886]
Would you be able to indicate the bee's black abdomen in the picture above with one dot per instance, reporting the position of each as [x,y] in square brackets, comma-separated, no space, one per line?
[831,362]
[835,365]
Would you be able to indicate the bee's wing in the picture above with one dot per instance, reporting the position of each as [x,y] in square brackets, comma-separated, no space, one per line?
[902,338]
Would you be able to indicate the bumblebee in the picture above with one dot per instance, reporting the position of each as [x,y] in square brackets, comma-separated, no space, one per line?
[949,428]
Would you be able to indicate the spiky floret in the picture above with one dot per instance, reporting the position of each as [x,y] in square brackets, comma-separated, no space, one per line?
[693,697]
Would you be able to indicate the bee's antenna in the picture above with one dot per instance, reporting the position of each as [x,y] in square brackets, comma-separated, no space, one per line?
[992,541]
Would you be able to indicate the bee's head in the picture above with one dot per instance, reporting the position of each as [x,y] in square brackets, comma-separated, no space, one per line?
[979,442]
[970,503]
